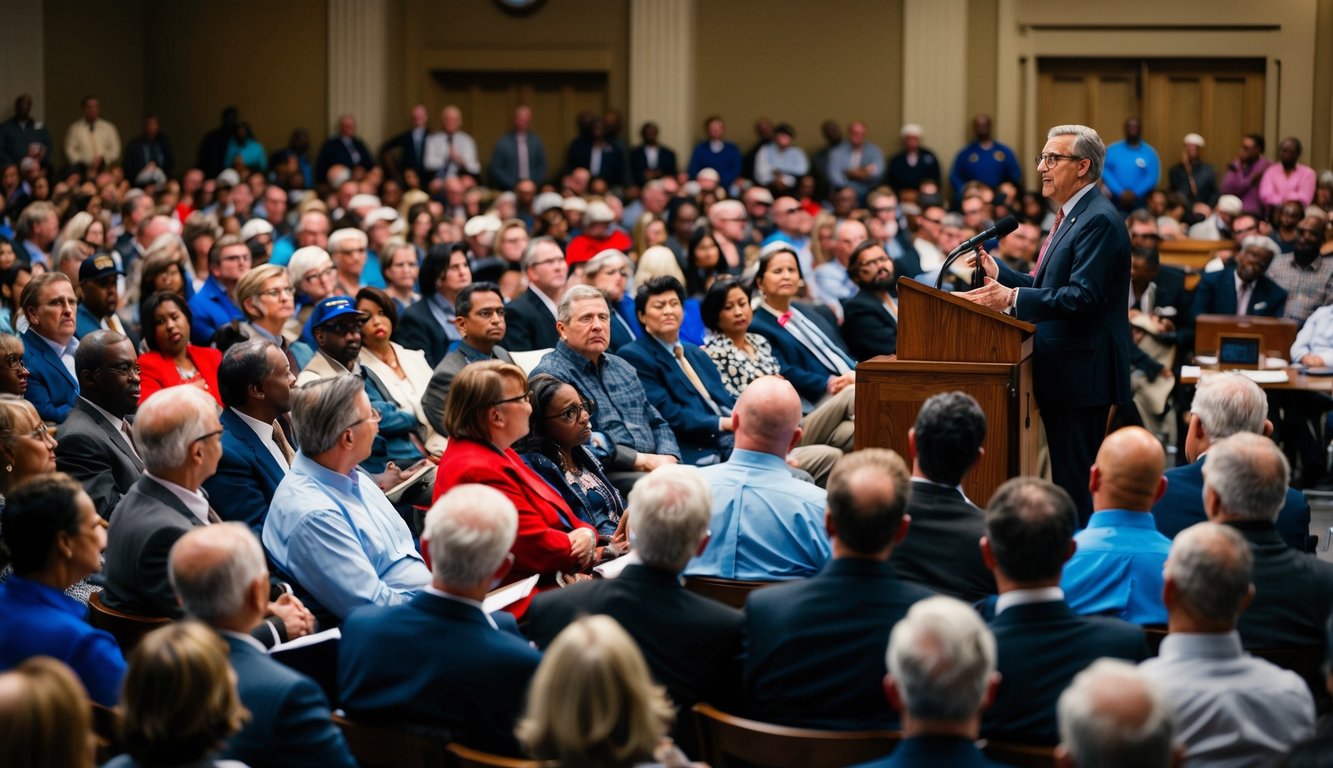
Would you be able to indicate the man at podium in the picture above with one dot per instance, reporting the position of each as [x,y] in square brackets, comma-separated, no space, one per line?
[1076,296]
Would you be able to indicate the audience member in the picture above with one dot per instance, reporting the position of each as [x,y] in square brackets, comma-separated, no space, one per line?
[49,344]
[855,162]
[870,316]
[481,324]
[267,298]
[1042,644]
[519,155]
[91,141]
[99,298]
[345,149]
[13,373]
[717,153]
[430,325]
[1287,180]
[833,279]
[1243,288]
[336,323]
[172,360]
[396,377]
[95,444]
[609,272]
[984,160]
[941,554]
[651,160]
[1230,707]
[598,234]
[1305,275]
[1113,714]
[914,164]
[213,306]
[44,717]
[1245,172]
[1132,168]
[530,318]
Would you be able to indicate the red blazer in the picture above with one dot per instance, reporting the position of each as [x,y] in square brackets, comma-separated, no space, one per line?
[159,371]
[544,519]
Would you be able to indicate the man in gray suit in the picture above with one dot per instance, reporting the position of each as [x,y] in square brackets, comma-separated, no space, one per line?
[480,317]
[95,445]
[519,154]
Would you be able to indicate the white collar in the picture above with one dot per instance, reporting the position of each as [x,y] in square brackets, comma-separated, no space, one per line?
[1074,198]
[1027,597]
[431,588]
[265,431]
[194,501]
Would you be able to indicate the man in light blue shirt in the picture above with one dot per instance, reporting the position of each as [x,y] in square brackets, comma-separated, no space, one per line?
[767,525]
[330,530]
[1132,168]
[1117,568]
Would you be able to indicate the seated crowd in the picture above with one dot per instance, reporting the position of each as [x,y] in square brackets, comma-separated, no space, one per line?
[266,399]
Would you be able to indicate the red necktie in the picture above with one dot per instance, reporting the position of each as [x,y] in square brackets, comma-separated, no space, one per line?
[1059,217]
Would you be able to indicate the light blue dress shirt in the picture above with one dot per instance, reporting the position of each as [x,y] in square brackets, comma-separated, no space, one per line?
[766,526]
[341,540]
[1117,569]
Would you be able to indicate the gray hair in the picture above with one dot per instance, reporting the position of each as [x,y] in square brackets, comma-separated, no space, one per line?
[35,212]
[1262,243]
[1106,739]
[530,255]
[672,509]
[340,238]
[1249,474]
[603,260]
[165,426]
[468,532]
[321,409]
[1228,404]
[215,590]
[1211,566]
[1088,145]
[942,658]
[565,311]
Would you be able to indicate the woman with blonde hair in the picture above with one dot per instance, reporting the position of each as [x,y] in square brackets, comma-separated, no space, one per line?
[44,717]
[822,237]
[593,703]
[649,230]
[180,699]
[657,261]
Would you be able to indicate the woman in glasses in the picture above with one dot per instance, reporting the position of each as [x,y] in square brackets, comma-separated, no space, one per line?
[266,296]
[13,373]
[171,360]
[556,449]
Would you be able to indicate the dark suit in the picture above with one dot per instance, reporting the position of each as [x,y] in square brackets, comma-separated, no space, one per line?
[1216,295]
[52,390]
[814,649]
[529,324]
[210,309]
[98,455]
[409,154]
[448,667]
[247,474]
[690,642]
[1182,506]
[867,327]
[1040,647]
[1293,593]
[929,750]
[942,550]
[638,164]
[86,323]
[289,723]
[504,161]
[612,167]
[799,366]
[418,329]
[1081,349]
[148,520]
[142,150]
[670,391]
[335,152]
[437,392]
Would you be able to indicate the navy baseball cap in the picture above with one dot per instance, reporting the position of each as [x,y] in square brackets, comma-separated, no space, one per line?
[333,308]
[97,266]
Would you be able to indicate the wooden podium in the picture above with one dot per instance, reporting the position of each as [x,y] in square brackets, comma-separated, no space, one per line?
[945,344]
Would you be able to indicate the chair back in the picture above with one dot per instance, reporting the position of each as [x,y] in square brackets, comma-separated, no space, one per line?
[377,746]
[1154,635]
[727,741]
[730,592]
[466,757]
[127,628]
[106,731]
[1020,755]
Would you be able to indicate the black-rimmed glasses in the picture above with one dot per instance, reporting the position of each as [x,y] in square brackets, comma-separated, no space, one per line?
[571,414]
[523,398]
[1051,158]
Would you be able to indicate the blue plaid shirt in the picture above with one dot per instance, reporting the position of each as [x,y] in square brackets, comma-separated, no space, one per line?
[623,411]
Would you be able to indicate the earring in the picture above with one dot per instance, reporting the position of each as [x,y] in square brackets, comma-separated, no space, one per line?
[9,467]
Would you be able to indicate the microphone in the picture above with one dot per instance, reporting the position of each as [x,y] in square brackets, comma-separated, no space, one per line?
[1000,229]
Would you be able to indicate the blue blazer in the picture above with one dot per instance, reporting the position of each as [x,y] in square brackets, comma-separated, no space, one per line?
[1182,506]
[438,662]
[247,475]
[290,722]
[51,388]
[86,323]
[1216,295]
[211,308]
[675,397]
[504,161]
[1077,301]
[801,368]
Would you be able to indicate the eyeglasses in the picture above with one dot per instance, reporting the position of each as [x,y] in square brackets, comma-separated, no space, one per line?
[15,362]
[875,262]
[42,432]
[551,260]
[374,418]
[343,329]
[207,435]
[123,369]
[790,211]
[571,414]
[523,398]
[274,293]
[320,275]
[1051,158]
[932,221]
[885,209]
[236,257]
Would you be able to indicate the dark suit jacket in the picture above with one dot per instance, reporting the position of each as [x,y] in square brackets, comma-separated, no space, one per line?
[437,392]
[1078,300]
[97,454]
[449,668]
[813,651]
[418,329]
[51,388]
[1293,593]
[638,163]
[148,520]
[504,161]
[1040,647]
[86,323]
[1182,506]
[867,327]
[799,366]
[921,751]
[690,642]
[672,394]
[1216,295]
[247,475]
[141,150]
[407,156]
[942,550]
[529,324]
[334,152]
[211,308]
[289,723]
[613,163]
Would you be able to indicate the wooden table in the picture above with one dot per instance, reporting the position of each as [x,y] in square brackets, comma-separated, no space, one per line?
[1296,380]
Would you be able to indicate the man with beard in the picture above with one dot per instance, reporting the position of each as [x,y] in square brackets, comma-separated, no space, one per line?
[870,318]
[337,328]
[1307,278]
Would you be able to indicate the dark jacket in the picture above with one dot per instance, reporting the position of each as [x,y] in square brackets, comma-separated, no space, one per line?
[98,455]
[1182,506]
[942,549]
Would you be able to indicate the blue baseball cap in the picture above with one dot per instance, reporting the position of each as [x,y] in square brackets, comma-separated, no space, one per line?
[332,308]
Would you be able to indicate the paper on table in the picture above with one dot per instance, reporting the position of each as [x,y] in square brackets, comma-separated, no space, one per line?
[510,594]
[1266,377]
[612,568]
[301,642]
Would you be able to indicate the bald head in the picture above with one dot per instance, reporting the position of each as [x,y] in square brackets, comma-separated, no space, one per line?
[214,569]
[1208,576]
[768,416]
[1111,714]
[1128,472]
[170,424]
[152,229]
[849,234]
[1245,478]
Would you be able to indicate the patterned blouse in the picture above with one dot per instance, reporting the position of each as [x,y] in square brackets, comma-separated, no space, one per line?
[737,368]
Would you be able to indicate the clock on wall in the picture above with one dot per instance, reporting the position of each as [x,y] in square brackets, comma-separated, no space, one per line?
[520,7]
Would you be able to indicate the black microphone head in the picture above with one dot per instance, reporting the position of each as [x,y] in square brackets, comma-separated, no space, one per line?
[1005,226]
